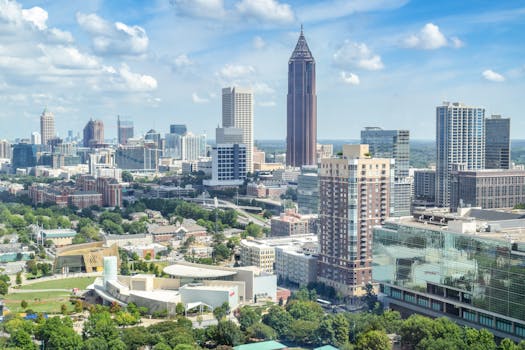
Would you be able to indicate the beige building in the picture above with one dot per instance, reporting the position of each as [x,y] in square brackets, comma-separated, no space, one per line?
[354,197]
[60,237]
[257,254]
[289,224]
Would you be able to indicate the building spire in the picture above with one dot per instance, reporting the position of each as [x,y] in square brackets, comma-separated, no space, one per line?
[301,29]
[301,50]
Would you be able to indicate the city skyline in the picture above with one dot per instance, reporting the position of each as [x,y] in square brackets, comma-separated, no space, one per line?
[384,63]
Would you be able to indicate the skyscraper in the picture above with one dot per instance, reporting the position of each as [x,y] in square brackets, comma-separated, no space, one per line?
[5,149]
[179,129]
[193,146]
[237,112]
[93,133]
[460,144]
[35,138]
[301,134]
[47,126]
[393,144]
[125,130]
[497,142]
[354,196]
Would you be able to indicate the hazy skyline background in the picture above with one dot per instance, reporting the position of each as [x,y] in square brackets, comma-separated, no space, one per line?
[379,62]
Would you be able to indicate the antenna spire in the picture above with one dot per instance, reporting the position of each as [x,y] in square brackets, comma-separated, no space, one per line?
[301,29]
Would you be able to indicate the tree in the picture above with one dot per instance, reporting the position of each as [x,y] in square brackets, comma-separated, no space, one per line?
[23,304]
[220,312]
[373,340]
[261,331]
[248,316]
[507,344]
[370,296]
[341,329]
[304,331]
[78,306]
[22,340]
[253,230]
[228,333]
[63,309]
[179,309]
[279,319]
[127,177]
[305,310]
[162,346]
[116,344]
[95,344]
[100,325]
[4,288]
[18,278]
[414,329]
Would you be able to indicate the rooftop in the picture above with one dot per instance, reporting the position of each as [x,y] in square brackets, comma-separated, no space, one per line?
[264,345]
[189,270]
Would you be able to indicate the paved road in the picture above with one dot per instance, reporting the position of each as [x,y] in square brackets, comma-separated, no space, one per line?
[251,218]
[17,291]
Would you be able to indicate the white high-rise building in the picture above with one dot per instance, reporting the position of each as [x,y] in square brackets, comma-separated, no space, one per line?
[36,139]
[5,149]
[193,146]
[237,112]
[47,126]
[460,144]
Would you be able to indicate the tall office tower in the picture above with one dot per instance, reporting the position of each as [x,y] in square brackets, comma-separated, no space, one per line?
[301,133]
[154,136]
[125,130]
[137,157]
[228,165]
[179,129]
[193,146]
[24,155]
[173,146]
[354,197]
[393,144]
[237,112]
[5,149]
[497,142]
[308,190]
[93,133]
[36,139]
[229,135]
[460,143]
[47,126]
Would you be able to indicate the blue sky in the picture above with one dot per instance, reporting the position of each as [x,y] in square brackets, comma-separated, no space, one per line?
[379,62]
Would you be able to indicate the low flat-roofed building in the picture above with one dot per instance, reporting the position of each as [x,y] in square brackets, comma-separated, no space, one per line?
[254,253]
[128,240]
[468,266]
[289,223]
[86,257]
[59,237]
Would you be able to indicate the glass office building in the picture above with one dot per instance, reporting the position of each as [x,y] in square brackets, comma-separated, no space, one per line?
[476,278]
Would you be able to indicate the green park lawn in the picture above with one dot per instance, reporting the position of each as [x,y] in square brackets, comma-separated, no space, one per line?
[48,302]
[67,283]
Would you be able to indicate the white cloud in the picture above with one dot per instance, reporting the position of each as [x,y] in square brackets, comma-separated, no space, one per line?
[266,10]
[114,39]
[431,38]
[258,42]
[349,78]
[37,16]
[200,8]
[60,36]
[68,57]
[135,81]
[182,61]
[490,75]
[197,99]
[357,55]
[231,71]
[456,42]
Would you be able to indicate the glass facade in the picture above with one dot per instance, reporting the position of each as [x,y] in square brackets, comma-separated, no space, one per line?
[461,275]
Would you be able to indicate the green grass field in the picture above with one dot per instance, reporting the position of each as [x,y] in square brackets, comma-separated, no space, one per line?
[68,283]
[49,302]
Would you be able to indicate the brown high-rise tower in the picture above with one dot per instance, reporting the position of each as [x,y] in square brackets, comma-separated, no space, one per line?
[301,137]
